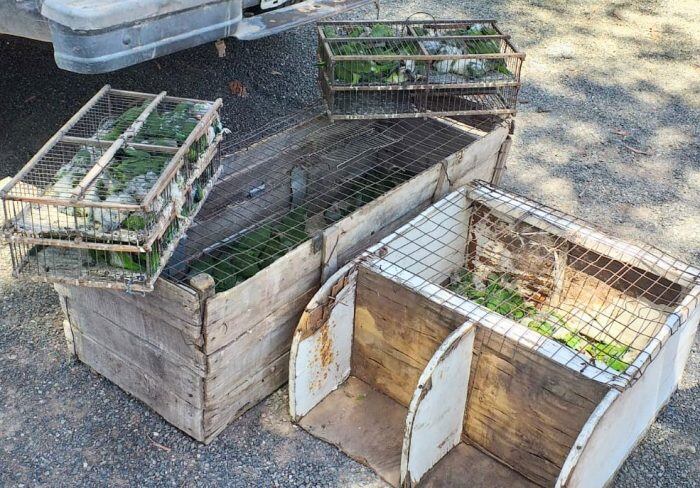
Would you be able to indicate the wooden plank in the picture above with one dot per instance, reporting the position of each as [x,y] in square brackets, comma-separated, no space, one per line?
[396,334]
[167,304]
[130,378]
[477,161]
[465,465]
[436,414]
[365,424]
[100,319]
[251,391]
[233,312]
[320,354]
[525,409]
[576,231]
[255,348]
[178,378]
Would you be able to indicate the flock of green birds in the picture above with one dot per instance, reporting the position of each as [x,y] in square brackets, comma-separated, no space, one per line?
[400,71]
[233,263]
[498,295]
[132,172]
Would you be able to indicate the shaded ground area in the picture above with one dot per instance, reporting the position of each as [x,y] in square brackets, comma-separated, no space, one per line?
[608,130]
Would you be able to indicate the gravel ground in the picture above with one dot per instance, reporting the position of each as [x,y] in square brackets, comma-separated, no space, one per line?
[608,131]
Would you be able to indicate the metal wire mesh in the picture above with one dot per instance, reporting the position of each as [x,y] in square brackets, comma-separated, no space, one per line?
[393,69]
[113,189]
[277,193]
[529,273]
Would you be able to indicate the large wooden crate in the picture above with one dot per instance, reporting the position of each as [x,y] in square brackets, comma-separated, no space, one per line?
[397,367]
[200,358]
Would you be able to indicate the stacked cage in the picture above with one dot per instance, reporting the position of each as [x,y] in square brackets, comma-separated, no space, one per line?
[107,198]
[394,69]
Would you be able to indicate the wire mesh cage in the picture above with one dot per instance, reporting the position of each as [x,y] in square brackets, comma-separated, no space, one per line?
[396,69]
[307,175]
[593,303]
[106,199]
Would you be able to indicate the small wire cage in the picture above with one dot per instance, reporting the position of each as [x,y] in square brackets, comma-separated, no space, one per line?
[532,274]
[287,182]
[106,199]
[397,69]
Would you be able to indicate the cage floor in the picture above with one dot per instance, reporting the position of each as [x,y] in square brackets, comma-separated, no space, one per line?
[467,466]
[369,427]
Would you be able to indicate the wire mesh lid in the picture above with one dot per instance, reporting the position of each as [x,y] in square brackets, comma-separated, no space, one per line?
[591,302]
[120,148]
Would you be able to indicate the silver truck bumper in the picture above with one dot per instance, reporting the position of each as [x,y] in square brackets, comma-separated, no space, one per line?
[111,47]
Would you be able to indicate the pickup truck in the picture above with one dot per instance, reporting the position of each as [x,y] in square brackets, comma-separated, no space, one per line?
[97,36]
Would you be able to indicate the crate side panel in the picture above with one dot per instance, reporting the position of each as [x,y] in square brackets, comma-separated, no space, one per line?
[255,349]
[396,334]
[235,311]
[130,378]
[615,434]
[244,396]
[524,409]
[103,309]
[158,364]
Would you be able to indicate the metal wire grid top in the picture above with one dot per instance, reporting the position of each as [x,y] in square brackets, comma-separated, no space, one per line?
[144,138]
[532,274]
[405,54]
[281,191]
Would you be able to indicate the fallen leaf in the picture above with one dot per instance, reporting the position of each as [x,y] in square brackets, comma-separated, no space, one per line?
[220,47]
[237,88]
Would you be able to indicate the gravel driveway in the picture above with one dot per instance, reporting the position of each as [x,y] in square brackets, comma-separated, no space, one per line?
[608,130]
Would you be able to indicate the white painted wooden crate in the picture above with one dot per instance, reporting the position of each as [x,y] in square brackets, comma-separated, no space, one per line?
[426,386]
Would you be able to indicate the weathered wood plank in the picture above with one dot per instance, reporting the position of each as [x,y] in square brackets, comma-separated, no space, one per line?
[525,409]
[100,317]
[168,303]
[396,334]
[179,378]
[233,312]
[130,378]
[245,396]
[366,424]
[254,349]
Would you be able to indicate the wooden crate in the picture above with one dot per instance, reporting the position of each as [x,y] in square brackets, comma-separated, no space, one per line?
[201,358]
[428,387]
[106,200]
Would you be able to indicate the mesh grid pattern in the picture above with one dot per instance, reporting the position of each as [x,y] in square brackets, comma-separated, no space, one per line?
[528,272]
[275,195]
[392,69]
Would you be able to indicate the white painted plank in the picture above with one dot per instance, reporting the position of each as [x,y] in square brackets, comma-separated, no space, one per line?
[614,433]
[436,414]
[320,362]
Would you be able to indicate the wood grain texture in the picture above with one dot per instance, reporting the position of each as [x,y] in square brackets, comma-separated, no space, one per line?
[365,424]
[151,390]
[396,333]
[465,465]
[525,409]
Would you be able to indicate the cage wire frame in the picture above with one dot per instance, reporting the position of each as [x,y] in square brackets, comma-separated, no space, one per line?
[392,69]
[307,161]
[105,200]
[595,290]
